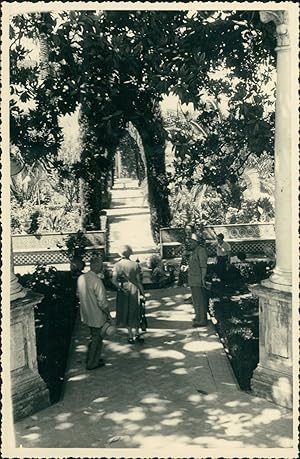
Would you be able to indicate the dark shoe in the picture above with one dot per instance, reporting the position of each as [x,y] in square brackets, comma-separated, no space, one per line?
[100,364]
[139,339]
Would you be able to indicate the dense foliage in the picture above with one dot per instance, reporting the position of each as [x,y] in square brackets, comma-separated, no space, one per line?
[131,159]
[238,327]
[54,321]
[117,65]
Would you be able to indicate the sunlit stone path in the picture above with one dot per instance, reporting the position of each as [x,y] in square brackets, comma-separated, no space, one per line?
[175,391]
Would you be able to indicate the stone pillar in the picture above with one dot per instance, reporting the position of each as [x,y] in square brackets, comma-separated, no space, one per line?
[29,391]
[272,379]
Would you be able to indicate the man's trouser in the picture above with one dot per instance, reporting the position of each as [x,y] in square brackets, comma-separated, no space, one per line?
[94,348]
[221,267]
[200,303]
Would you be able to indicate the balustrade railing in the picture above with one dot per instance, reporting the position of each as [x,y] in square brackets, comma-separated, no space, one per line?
[254,239]
[50,248]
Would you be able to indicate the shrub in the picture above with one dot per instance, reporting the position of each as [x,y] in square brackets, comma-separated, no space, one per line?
[238,325]
[76,245]
[54,320]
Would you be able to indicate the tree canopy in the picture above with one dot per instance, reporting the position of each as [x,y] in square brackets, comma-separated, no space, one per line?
[118,65]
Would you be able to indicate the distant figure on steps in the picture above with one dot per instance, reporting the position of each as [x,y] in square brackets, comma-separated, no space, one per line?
[144,188]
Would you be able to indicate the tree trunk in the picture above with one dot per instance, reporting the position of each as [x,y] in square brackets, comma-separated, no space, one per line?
[153,138]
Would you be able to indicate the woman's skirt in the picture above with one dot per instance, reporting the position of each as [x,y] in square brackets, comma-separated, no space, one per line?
[128,311]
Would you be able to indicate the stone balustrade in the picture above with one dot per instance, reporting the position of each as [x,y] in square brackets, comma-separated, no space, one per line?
[255,239]
[50,248]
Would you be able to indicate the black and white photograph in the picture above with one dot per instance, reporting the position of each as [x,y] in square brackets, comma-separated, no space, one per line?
[149,198]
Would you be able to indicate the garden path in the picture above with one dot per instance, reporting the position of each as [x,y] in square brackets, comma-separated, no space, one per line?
[129,220]
[174,396]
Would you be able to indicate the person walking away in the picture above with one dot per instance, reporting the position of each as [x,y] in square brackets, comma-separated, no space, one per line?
[223,257]
[127,279]
[197,269]
[94,310]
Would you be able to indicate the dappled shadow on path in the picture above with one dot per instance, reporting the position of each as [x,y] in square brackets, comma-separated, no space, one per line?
[162,394]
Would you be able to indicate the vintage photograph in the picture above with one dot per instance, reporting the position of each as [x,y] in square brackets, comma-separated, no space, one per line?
[150,215]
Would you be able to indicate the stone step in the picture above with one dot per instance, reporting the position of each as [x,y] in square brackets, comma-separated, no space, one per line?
[120,184]
[126,194]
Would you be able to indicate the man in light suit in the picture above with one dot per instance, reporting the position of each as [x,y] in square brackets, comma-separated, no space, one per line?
[94,310]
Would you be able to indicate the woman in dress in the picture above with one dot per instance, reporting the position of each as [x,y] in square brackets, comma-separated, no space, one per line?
[126,277]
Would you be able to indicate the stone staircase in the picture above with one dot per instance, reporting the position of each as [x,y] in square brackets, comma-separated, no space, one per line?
[129,223]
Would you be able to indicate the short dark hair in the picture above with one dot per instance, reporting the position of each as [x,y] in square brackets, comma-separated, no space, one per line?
[96,261]
[220,236]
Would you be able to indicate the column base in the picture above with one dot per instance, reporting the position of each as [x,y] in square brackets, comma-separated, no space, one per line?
[29,392]
[279,280]
[30,397]
[277,387]
[273,377]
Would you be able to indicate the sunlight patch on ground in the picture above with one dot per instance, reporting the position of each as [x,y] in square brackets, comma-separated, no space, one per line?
[163,442]
[64,426]
[150,399]
[132,427]
[266,416]
[201,346]
[100,400]
[175,414]
[158,409]
[118,347]
[195,398]
[134,414]
[283,442]
[155,428]
[32,436]
[180,371]
[161,333]
[214,442]
[171,422]
[175,316]
[78,377]
[62,417]
[159,354]
[178,364]
[35,428]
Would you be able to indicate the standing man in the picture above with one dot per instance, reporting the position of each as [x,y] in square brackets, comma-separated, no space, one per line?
[223,256]
[93,310]
[196,278]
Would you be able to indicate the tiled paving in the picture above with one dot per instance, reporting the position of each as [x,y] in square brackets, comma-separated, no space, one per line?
[176,390]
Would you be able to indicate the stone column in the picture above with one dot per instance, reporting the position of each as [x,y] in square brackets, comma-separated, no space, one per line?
[282,276]
[272,379]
